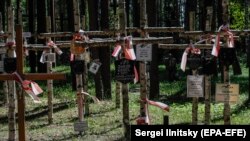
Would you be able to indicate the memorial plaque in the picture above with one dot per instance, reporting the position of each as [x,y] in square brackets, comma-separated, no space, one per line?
[124,71]
[227,93]
[195,86]
[26,34]
[1,66]
[49,57]
[9,65]
[144,52]
[80,126]
[78,66]
[2,50]
[94,67]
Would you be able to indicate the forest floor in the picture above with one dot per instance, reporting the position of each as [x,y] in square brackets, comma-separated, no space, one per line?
[105,121]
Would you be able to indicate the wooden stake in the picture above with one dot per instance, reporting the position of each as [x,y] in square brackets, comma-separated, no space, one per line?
[208,27]
[49,82]
[11,83]
[79,81]
[226,111]
[195,105]
[143,75]
[207,99]
[125,98]
[125,111]
[6,92]
[194,72]
[1,23]
[118,95]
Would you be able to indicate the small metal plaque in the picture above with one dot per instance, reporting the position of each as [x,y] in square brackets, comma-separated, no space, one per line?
[49,57]
[124,71]
[227,93]
[195,86]
[144,52]
[26,34]
[94,67]
[1,66]
[2,50]
[80,126]
[9,65]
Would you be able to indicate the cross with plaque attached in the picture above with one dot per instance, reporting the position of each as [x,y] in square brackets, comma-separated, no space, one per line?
[18,69]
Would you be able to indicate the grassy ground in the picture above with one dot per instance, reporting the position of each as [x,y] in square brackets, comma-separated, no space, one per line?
[105,121]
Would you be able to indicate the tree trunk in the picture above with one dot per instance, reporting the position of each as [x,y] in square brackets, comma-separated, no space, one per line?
[11,83]
[136,14]
[41,28]
[70,26]
[32,54]
[127,12]
[190,6]
[105,52]
[93,22]
[154,70]
[2,12]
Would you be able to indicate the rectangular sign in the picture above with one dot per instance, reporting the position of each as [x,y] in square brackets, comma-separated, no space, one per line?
[2,50]
[227,93]
[49,57]
[1,66]
[26,34]
[80,126]
[144,52]
[195,86]
[124,71]
[94,67]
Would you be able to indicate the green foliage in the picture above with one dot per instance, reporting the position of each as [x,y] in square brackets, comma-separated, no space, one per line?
[237,15]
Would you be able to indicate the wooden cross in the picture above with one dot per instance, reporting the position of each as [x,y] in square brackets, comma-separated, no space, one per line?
[108,42]
[27,76]
[194,35]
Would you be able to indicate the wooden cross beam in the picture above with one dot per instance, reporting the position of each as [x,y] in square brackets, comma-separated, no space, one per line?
[27,76]
[4,35]
[107,42]
[197,34]
[115,31]
[184,46]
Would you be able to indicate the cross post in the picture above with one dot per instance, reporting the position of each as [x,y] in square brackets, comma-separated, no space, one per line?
[27,76]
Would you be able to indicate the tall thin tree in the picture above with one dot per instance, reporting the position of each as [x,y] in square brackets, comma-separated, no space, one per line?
[94,25]
[105,52]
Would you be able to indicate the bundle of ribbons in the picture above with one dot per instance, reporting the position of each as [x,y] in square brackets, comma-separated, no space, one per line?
[129,53]
[10,43]
[189,50]
[51,44]
[224,29]
[30,87]
[79,36]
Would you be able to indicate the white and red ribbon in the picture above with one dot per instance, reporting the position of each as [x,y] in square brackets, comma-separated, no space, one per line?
[136,79]
[52,44]
[128,49]
[158,104]
[11,43]
[30,87]
[95,99]
[229,43]
[117,50]
[188,50]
